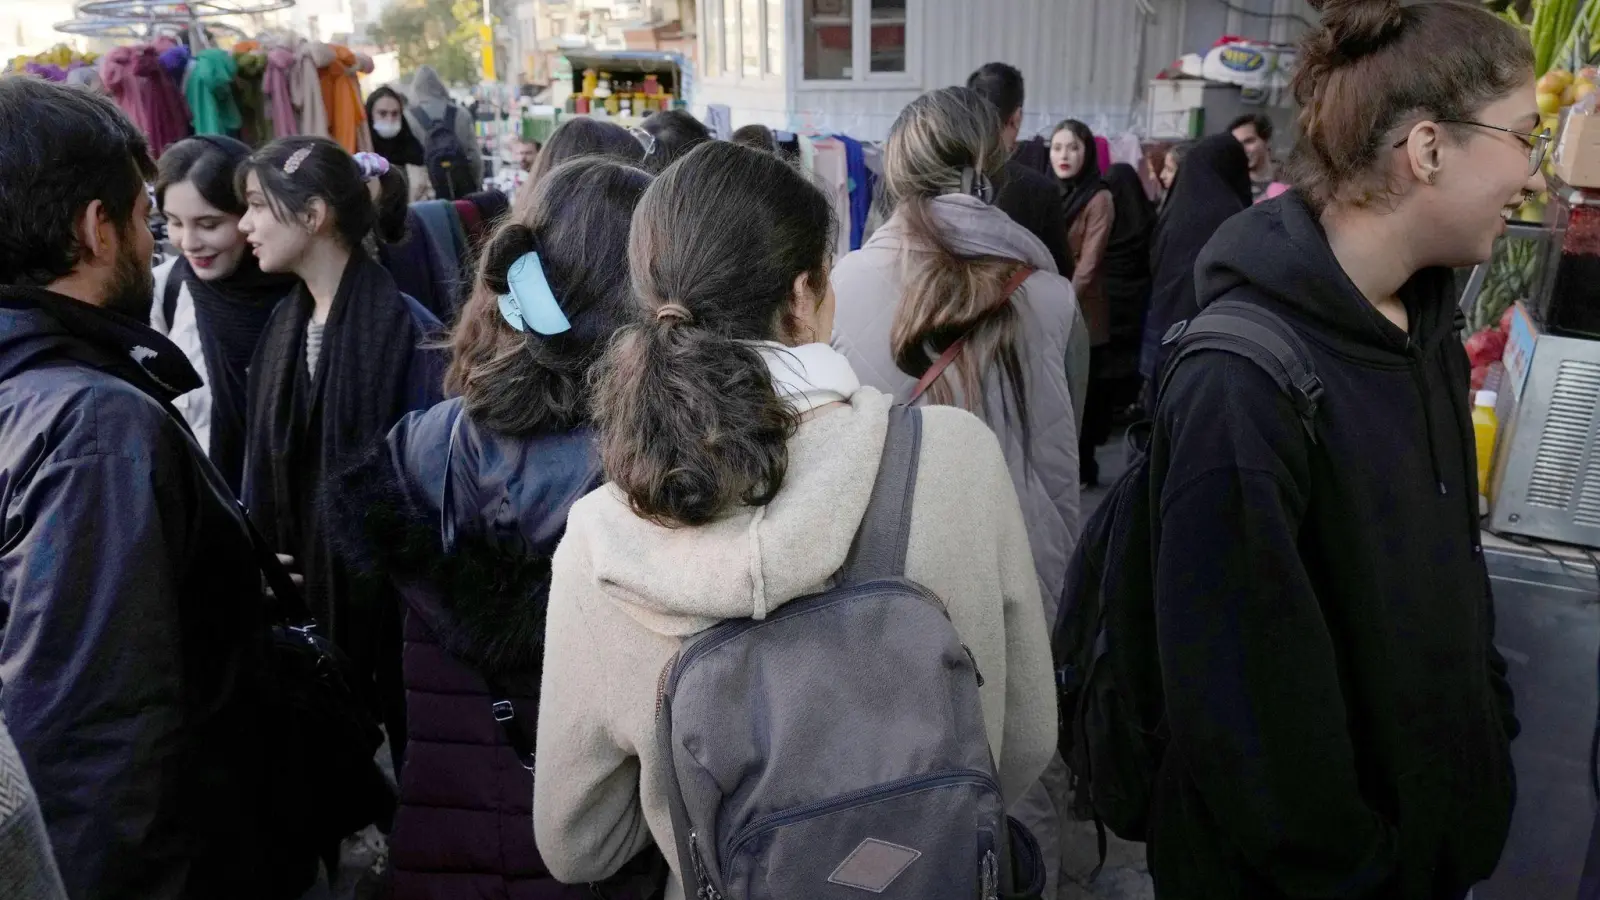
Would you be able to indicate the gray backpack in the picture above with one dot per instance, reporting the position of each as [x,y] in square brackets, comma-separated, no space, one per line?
[837,747]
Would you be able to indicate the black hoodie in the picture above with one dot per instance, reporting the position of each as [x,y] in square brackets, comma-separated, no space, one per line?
[1340,718]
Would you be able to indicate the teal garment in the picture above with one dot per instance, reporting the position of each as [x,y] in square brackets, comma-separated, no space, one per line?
[209,90]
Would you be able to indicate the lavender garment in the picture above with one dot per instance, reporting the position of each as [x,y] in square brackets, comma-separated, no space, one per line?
[280,94]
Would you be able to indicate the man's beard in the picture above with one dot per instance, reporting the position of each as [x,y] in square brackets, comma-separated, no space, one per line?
[133,285]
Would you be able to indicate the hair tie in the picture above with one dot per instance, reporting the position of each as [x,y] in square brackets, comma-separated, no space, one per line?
[372,165]
[293,163]
[676,312]
[530,304]
[976,184]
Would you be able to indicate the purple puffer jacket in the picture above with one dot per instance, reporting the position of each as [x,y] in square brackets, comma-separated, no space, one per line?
[464,827]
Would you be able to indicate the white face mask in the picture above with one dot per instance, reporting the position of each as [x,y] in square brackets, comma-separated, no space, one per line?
[386,130]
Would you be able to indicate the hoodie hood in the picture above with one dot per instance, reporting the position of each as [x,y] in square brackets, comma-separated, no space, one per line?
[1280,249]
[37,324]
[679,581]
[973,228]
[426,87]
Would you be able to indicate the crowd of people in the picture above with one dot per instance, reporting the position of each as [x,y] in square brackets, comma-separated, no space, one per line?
[493,521]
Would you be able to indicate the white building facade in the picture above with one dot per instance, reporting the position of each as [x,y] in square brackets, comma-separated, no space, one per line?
[851,65]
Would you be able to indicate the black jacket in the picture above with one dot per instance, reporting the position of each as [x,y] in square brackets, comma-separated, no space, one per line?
[1339,715]
[464,827]
[130,610]
[1033,201]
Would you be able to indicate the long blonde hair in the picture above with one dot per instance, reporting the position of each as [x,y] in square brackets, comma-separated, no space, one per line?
[948,142]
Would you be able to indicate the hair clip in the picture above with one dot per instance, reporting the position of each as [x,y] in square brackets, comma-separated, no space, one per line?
[292,164]
[646,140]
[976,184]
[530,304]
[372,165]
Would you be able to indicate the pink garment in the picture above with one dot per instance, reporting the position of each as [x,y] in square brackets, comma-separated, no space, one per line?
[144,91]
[832,168]
[1102,151]
[117,70]
[1275,189]
[280,97]
[165,108]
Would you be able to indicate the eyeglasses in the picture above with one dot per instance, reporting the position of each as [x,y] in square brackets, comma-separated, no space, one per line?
[1539,144]
[645,139]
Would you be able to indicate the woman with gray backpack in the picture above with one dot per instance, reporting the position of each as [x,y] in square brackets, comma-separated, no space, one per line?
[797,639]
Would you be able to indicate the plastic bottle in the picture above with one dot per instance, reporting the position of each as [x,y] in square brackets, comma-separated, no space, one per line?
[1484,427]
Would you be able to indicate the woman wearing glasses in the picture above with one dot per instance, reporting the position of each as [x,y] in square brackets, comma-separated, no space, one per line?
[1339,718]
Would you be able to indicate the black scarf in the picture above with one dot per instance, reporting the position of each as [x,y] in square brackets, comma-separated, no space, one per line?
[401,150]
[1213,184]
[1128,249]
[1077,191]
[230,315]
[304,428]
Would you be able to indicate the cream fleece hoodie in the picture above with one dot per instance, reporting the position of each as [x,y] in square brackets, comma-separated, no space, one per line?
[625,593]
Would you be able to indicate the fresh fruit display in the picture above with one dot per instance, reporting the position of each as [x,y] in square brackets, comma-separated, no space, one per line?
[1513,273]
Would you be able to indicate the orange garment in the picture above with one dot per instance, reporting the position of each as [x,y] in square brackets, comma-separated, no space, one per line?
[342,96]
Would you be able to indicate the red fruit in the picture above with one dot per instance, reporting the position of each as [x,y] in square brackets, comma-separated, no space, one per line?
[1485,347]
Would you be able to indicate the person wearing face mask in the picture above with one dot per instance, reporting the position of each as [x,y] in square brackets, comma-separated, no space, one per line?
[213,300]
[1340,719]
[131,610]
[393,139]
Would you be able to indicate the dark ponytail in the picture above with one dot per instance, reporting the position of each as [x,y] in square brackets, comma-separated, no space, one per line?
[394,201]
[691,425]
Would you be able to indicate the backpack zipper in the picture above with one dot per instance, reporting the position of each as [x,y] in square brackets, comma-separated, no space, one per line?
[705,890]
[861,797]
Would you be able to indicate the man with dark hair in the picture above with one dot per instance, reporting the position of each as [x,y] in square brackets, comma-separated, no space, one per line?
[1254,131]
[1029,197]
[131,620]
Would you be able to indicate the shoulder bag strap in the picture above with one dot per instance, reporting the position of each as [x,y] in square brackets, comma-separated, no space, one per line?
[1013,284]
[423,119]
[879,550]
[169,298]
[1261,336]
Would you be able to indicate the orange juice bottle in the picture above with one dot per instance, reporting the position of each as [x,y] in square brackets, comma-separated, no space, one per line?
[1485,425]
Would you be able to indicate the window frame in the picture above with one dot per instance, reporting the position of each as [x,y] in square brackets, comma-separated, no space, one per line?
[862,78]
[727,16]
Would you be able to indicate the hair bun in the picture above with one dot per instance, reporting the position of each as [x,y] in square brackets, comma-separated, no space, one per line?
[1355,28]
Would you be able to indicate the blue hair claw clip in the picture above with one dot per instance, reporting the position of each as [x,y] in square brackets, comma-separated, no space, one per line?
[531,305]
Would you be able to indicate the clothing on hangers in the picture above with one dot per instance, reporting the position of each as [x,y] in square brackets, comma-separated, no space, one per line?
[210,93]
[305,84]
[341,97]
[277,85]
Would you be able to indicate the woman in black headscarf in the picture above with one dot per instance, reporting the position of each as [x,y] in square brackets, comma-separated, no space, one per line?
[1212,185]
[1126,280]
[1086,203]
[392,137]
[213,301]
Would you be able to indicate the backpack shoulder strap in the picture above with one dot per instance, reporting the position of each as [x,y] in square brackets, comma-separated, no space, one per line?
[1012,285]
[879,550]
[450,118]
[1259,335]
[423,119]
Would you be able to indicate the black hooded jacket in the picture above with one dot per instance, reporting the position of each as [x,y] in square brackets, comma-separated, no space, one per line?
[1339,716]
[131,620]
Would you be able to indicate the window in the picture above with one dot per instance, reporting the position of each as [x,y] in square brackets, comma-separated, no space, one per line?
[751,37]
[856,40]
[774,37]
[888,35]
[743,38]
[829,39]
